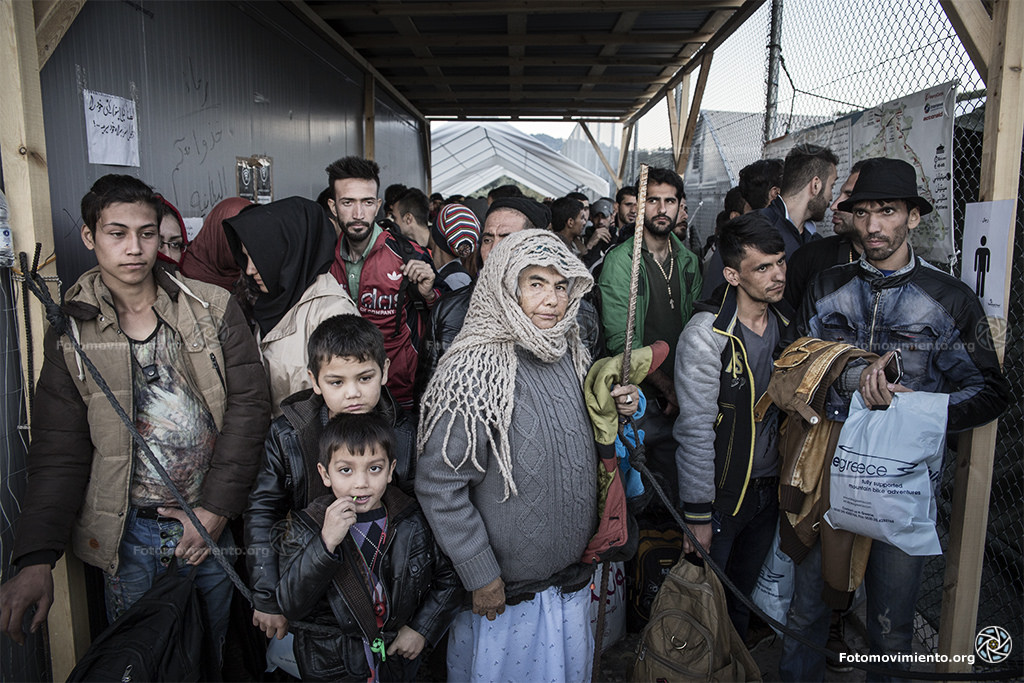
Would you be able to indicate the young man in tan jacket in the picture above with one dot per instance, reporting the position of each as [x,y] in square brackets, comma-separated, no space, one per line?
[180,359]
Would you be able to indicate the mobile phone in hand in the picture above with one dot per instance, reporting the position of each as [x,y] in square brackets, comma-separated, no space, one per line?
[894,368]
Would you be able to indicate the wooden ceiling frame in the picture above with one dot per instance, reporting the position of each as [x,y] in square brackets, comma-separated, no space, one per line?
[385,62]
[377,40]
[727,28]
[484,7]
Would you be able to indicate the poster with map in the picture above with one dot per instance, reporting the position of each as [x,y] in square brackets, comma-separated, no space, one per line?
[917,128]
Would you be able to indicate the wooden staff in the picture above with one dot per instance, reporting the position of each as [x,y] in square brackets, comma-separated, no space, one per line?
[634,276]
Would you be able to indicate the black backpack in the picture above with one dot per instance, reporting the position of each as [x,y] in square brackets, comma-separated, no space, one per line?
[162,637]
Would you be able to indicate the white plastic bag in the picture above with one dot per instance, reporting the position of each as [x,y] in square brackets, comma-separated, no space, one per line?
[615,604]
[774,588]
[884,469]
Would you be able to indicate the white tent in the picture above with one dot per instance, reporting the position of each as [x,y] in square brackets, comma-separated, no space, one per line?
[468,156]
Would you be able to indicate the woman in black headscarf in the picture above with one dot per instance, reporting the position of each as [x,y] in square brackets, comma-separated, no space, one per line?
[286,248]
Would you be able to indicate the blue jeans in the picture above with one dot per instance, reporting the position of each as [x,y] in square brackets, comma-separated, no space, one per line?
[892,581]
[146,549]
[741,542]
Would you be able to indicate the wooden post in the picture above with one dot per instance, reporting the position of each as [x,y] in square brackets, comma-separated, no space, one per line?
[427,155]
[1000,173]
[691,122]
[53,19]
[23,149]
[973,26]
[369,112]
[604,160]
[627,135]
[675,117]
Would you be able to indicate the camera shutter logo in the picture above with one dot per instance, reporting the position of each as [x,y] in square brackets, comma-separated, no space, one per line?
[993,644]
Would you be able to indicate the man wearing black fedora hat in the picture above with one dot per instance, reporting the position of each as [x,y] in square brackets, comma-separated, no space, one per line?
[891,299]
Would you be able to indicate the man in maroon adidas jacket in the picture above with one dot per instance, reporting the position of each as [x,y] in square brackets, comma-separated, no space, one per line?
[390,277]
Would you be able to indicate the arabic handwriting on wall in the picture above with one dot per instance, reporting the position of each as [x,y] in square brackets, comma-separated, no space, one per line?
[194,144]
[194,147]
[202,200]
[196,84]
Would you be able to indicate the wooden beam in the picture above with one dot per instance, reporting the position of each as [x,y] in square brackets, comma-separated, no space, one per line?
[654,90]
[413,84]
[303,11]
[691,121]
[651,60]
[675,116]
[369,114]
[390,40]
[627,135]
[427,155]
[405,26]
[730,22]
[624,24]
[530,119]
[471,95]
[526,111]
[484,7]
[1000,174]
[684,105]
[673,129]
[604,160]
[974,27]
[517,26]
[52,20]
[23,145]
[23,150]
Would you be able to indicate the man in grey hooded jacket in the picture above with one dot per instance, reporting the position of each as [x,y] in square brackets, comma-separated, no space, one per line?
[727,461]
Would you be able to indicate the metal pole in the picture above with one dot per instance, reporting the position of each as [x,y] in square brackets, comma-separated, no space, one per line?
[774,57]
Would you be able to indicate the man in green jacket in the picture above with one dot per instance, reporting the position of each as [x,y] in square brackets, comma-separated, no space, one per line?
[669,284]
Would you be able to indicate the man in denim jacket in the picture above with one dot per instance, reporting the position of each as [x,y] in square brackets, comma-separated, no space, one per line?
[891,299]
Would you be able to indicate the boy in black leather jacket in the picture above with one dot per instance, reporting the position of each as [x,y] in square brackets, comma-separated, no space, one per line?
[348,367]
[363,560]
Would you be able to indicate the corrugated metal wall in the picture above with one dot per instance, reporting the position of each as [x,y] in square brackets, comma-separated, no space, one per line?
[212,81]
[398,144]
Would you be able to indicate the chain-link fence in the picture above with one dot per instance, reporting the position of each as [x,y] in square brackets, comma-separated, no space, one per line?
[837,58]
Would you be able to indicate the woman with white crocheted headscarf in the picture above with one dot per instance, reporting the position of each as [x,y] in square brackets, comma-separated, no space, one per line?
[507,468]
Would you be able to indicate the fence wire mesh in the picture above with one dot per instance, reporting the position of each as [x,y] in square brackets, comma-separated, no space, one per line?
[838,58]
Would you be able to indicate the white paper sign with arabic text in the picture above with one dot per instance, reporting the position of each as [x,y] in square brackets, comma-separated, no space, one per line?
[111,129]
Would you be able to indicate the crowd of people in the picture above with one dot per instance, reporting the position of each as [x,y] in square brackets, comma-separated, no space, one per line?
[379,397]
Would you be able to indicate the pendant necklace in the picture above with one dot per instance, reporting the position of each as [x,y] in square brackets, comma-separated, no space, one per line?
[671,266]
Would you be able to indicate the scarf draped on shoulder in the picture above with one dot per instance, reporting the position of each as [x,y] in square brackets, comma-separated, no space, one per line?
[475,380]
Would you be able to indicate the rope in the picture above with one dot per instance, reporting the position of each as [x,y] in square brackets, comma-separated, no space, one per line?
[30,390]
[634,279]
[595,669]
[634,276]
[60,324]
[649,480]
